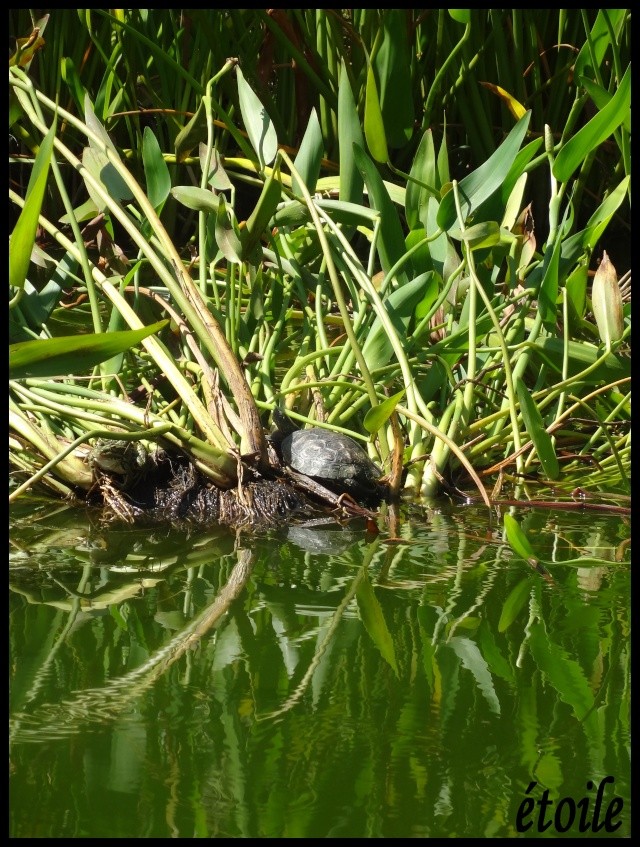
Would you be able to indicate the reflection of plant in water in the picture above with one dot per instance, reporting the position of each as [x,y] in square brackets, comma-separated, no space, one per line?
[423,660]
[105,703]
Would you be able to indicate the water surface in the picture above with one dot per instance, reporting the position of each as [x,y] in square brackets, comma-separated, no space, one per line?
[325,682]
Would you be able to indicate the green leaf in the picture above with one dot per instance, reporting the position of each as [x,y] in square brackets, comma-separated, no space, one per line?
[374,622]
[514,603]
[76,354]
[517,539]
[478,236]
[391,245]
[349,133]
[599,220]
[156,172]
[479,185]
[600,41]
[400,306]
[392,64]
[265,207]
[548,294]
[424,169]
[462,16]
[192,134]
[294,213]
[373,123]
[541,439]
[227,232]
[257,122]
[198,199]
[582,355]
[24,232]
[601,97]
[104,172]
[598,129]
[309,158]
[377,417]
[217,177]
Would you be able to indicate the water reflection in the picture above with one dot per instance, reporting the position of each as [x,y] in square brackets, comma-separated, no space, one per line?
[200,683]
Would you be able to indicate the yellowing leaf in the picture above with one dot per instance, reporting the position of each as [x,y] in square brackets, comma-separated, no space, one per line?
[514,106]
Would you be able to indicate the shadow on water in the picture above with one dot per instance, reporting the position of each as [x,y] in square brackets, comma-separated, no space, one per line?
[317,681]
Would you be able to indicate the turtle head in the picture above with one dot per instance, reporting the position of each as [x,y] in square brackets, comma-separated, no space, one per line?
[282,421]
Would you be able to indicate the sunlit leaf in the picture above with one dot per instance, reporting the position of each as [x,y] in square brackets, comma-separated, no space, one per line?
[400,306]
[309,157]
[24,232]
[424,169]
[598,129]
[76,354]
[257,122]
[599,41]
[373,123]
[156,172]
[262,213]
[391,238]
[196,198]
[515,107]
[377,417]
[477,186]
[349,133]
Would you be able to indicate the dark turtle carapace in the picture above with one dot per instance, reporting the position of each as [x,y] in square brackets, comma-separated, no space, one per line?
[331,458]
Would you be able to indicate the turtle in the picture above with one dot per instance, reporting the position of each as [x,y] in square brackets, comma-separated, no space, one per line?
[331,458]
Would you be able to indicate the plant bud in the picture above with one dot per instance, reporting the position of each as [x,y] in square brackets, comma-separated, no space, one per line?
[606,301]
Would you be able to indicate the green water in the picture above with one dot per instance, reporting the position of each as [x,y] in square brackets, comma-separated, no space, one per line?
[413,683]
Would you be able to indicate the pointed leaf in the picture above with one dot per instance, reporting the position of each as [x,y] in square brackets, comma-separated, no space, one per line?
[377,417]
[227,233]
[309,157]
[257,122]
[472,659]
[192,134]
[196,198]
[373,123]
[263,212]
[541,439]
[349,132]
[24,232]
[156,171]
[392,64]
[391,244]
[76,354]
[564,674]
[598,129]
[479,185]
[517,539]
[516,108]
[400,305]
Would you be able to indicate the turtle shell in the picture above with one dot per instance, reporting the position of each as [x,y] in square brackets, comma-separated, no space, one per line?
[331,458]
